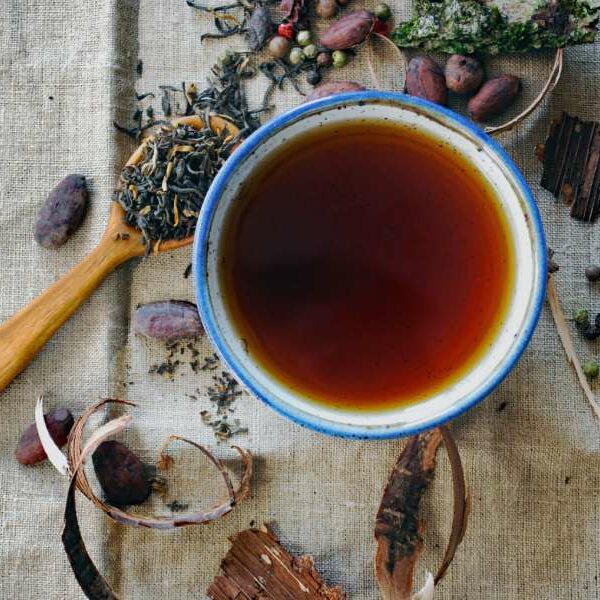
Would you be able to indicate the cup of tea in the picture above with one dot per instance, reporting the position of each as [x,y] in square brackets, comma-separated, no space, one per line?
[370,265]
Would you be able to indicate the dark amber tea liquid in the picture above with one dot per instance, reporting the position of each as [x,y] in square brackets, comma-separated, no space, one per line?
[366,265]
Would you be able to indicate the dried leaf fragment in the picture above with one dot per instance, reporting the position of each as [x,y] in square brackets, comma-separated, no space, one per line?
[258,567]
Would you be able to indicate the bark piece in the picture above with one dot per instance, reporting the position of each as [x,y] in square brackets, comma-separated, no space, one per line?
[257,566]
[398,530]
[571,158]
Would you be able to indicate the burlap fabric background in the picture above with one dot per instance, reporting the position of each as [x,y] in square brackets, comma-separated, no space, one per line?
[66,71]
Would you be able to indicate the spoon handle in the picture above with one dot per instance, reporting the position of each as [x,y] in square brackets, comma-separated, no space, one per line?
[24,334]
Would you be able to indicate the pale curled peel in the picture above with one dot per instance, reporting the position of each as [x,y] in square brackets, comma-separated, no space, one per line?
[234,495]
[53,452]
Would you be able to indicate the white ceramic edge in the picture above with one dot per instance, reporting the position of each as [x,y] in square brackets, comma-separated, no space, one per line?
[528,243]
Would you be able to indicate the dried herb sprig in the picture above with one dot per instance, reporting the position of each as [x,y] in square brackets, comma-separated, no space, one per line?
[163,193]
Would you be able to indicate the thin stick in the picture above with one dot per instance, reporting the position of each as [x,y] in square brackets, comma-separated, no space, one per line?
[550,84]
[567,342]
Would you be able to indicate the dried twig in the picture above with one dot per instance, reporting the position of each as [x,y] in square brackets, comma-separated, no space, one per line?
[567,342]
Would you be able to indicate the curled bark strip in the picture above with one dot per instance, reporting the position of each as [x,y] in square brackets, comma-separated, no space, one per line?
[461,502]
[257,567]
[567,342]
[550,84]
[398,528]
[235,496]
[54,453]
[92,583]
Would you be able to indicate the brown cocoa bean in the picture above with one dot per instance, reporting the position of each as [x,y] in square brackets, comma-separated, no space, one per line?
[327,9]
[425,79]
[59,423]
[62,212]
[349,31]
[169,321]
[124,478]
[334,87]
[464,74]
[494,97]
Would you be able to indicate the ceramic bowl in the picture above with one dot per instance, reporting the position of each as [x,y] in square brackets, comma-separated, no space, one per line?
[516,202]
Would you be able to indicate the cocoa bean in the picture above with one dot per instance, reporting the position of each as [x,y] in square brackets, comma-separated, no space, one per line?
[425,79]
[169,321]
[464,74]
[124,478]
[334,87]
[59,423]
[326,9]
[348,31]
[62,212]
[494,97]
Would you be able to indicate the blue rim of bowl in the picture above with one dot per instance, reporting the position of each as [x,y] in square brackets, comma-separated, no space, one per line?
[200,256]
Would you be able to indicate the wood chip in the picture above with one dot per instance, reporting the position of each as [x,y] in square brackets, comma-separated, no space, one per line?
[257,566]
[571,158]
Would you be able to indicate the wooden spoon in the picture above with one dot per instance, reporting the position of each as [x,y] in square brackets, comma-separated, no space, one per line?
[24,334]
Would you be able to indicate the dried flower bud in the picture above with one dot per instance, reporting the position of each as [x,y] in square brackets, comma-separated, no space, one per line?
[339,59]
[581,317]
[296,56]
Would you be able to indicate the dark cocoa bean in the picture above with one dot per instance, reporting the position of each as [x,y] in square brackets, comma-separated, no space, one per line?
[425,79]
[464,74]
[327,9]
[59,423]
[334,87]
[349,31]
[124,478]
[169,321]
[62,212]
[494,97]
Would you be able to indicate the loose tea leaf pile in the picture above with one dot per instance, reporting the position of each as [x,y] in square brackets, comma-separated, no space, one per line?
[163,193]
[498,26]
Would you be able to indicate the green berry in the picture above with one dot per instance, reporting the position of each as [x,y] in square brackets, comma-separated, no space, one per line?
[310,51]
[591,369]
[382,11]
[296,56]
[303,38]
[339,58]
[582,317]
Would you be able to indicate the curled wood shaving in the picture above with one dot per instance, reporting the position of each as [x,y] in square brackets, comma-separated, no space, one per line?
[234,496]
[258,567]
[91,581]
[567,342]
[54,453]
[398,528]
